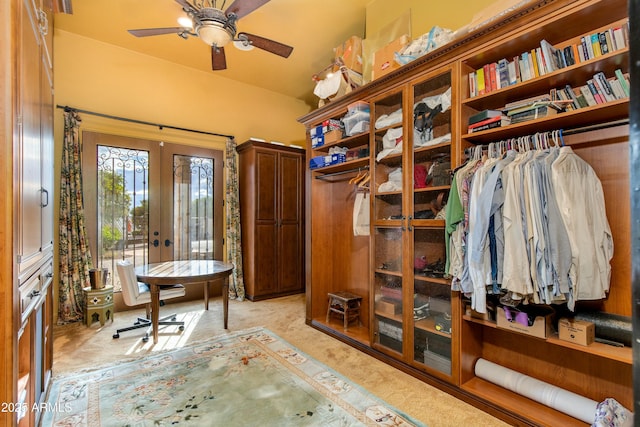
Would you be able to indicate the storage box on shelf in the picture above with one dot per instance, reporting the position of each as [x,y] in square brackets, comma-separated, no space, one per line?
[438,346]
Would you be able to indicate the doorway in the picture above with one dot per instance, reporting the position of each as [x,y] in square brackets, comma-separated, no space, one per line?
[150,201]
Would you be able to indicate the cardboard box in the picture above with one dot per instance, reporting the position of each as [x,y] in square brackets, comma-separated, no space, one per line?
[350,52]
[576,331]
[389,307]
[542,325]
[384,59]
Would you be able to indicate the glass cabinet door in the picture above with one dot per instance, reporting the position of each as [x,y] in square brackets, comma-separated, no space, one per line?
[389,222]
[431,162]
[431,300]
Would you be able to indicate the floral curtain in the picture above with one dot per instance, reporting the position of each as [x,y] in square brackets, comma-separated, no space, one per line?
[234,247]
[75,258]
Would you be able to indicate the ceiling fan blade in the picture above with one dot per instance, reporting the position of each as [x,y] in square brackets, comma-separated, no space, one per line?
[146,32]
[244,7]
[218,59]
[268,45]
[186,5]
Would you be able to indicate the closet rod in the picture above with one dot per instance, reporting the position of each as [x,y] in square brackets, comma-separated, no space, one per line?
[141,122]
[329,175]
[596,127]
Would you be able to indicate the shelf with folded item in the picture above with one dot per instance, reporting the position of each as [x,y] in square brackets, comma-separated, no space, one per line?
[344,166]
[354,141]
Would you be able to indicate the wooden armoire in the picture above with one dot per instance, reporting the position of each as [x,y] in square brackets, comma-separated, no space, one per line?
[271,179]
[26,206]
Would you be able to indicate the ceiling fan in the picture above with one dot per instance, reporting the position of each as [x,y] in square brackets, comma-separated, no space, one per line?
[217,28]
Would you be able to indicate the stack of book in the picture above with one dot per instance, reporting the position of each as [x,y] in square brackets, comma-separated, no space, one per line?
[533,108]
[487,119]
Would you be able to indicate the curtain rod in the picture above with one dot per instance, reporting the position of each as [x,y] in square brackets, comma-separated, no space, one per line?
[141,122]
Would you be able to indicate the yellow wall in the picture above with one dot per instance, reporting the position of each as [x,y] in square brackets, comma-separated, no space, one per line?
[99,77]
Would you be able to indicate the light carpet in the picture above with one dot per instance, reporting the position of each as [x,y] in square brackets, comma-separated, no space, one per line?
[247,378]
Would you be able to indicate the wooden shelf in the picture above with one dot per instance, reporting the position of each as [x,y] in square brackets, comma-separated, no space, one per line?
[344,166]
[513,402]
[608,112]
[349,142]
[619,354]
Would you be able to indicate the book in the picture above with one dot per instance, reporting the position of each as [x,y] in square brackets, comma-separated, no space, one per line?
[483,115]
[588,47]
[472,85]
[595,45]
[533,113]
[594,90]
[567,54]
[548,55]
[494,76]
[588,96]
[480,89]
[571,96]
[616,87]
[527,101]
[601,80]
[623,81]
[618,36]
[582,102]
[496,122]
[513,75]
[602,39]
[609,38]
[503,73]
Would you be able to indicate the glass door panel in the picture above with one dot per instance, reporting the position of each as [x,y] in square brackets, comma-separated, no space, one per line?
[192,207]
[192,195]
[388,288]
[431,146]
[431,301]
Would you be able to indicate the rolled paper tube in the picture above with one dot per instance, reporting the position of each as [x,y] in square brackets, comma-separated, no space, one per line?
[557,398]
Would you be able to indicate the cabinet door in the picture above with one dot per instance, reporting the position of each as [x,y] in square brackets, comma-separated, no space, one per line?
[430,161]
[289,224]
[266,238]
[29,170]
[389,217]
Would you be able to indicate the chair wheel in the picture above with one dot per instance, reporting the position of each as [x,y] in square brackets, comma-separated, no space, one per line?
[116,336]
[145,339]
[181,328]
[173,319]
[136,323]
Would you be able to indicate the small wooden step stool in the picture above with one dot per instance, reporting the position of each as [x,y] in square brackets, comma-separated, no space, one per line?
[346,305]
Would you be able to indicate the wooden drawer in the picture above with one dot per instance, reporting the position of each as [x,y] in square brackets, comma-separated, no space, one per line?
[30,293]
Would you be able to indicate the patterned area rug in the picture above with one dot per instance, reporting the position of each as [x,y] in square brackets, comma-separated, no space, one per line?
[249,378]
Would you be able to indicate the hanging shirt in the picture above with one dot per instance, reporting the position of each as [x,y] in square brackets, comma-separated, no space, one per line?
[580,197]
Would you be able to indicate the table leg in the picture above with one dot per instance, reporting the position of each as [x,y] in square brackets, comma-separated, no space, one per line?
[155,310]
[225,301]
[206,295]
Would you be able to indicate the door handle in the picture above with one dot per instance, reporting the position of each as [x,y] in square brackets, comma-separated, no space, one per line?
[167,243]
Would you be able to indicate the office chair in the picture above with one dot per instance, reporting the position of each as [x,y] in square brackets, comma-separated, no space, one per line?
[136,293]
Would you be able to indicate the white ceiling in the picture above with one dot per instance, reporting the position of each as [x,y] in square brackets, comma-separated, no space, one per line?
[312,27]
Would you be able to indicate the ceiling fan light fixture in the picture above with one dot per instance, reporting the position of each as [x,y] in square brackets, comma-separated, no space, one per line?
[214,35]
[243,45]
[185,22]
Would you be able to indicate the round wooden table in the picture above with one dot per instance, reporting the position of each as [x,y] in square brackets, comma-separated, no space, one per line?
[184,272]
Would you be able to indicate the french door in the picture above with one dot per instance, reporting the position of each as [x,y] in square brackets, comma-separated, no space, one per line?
[148,201]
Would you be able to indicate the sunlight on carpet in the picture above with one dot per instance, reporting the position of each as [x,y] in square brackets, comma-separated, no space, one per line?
[169,337]
[247,378]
